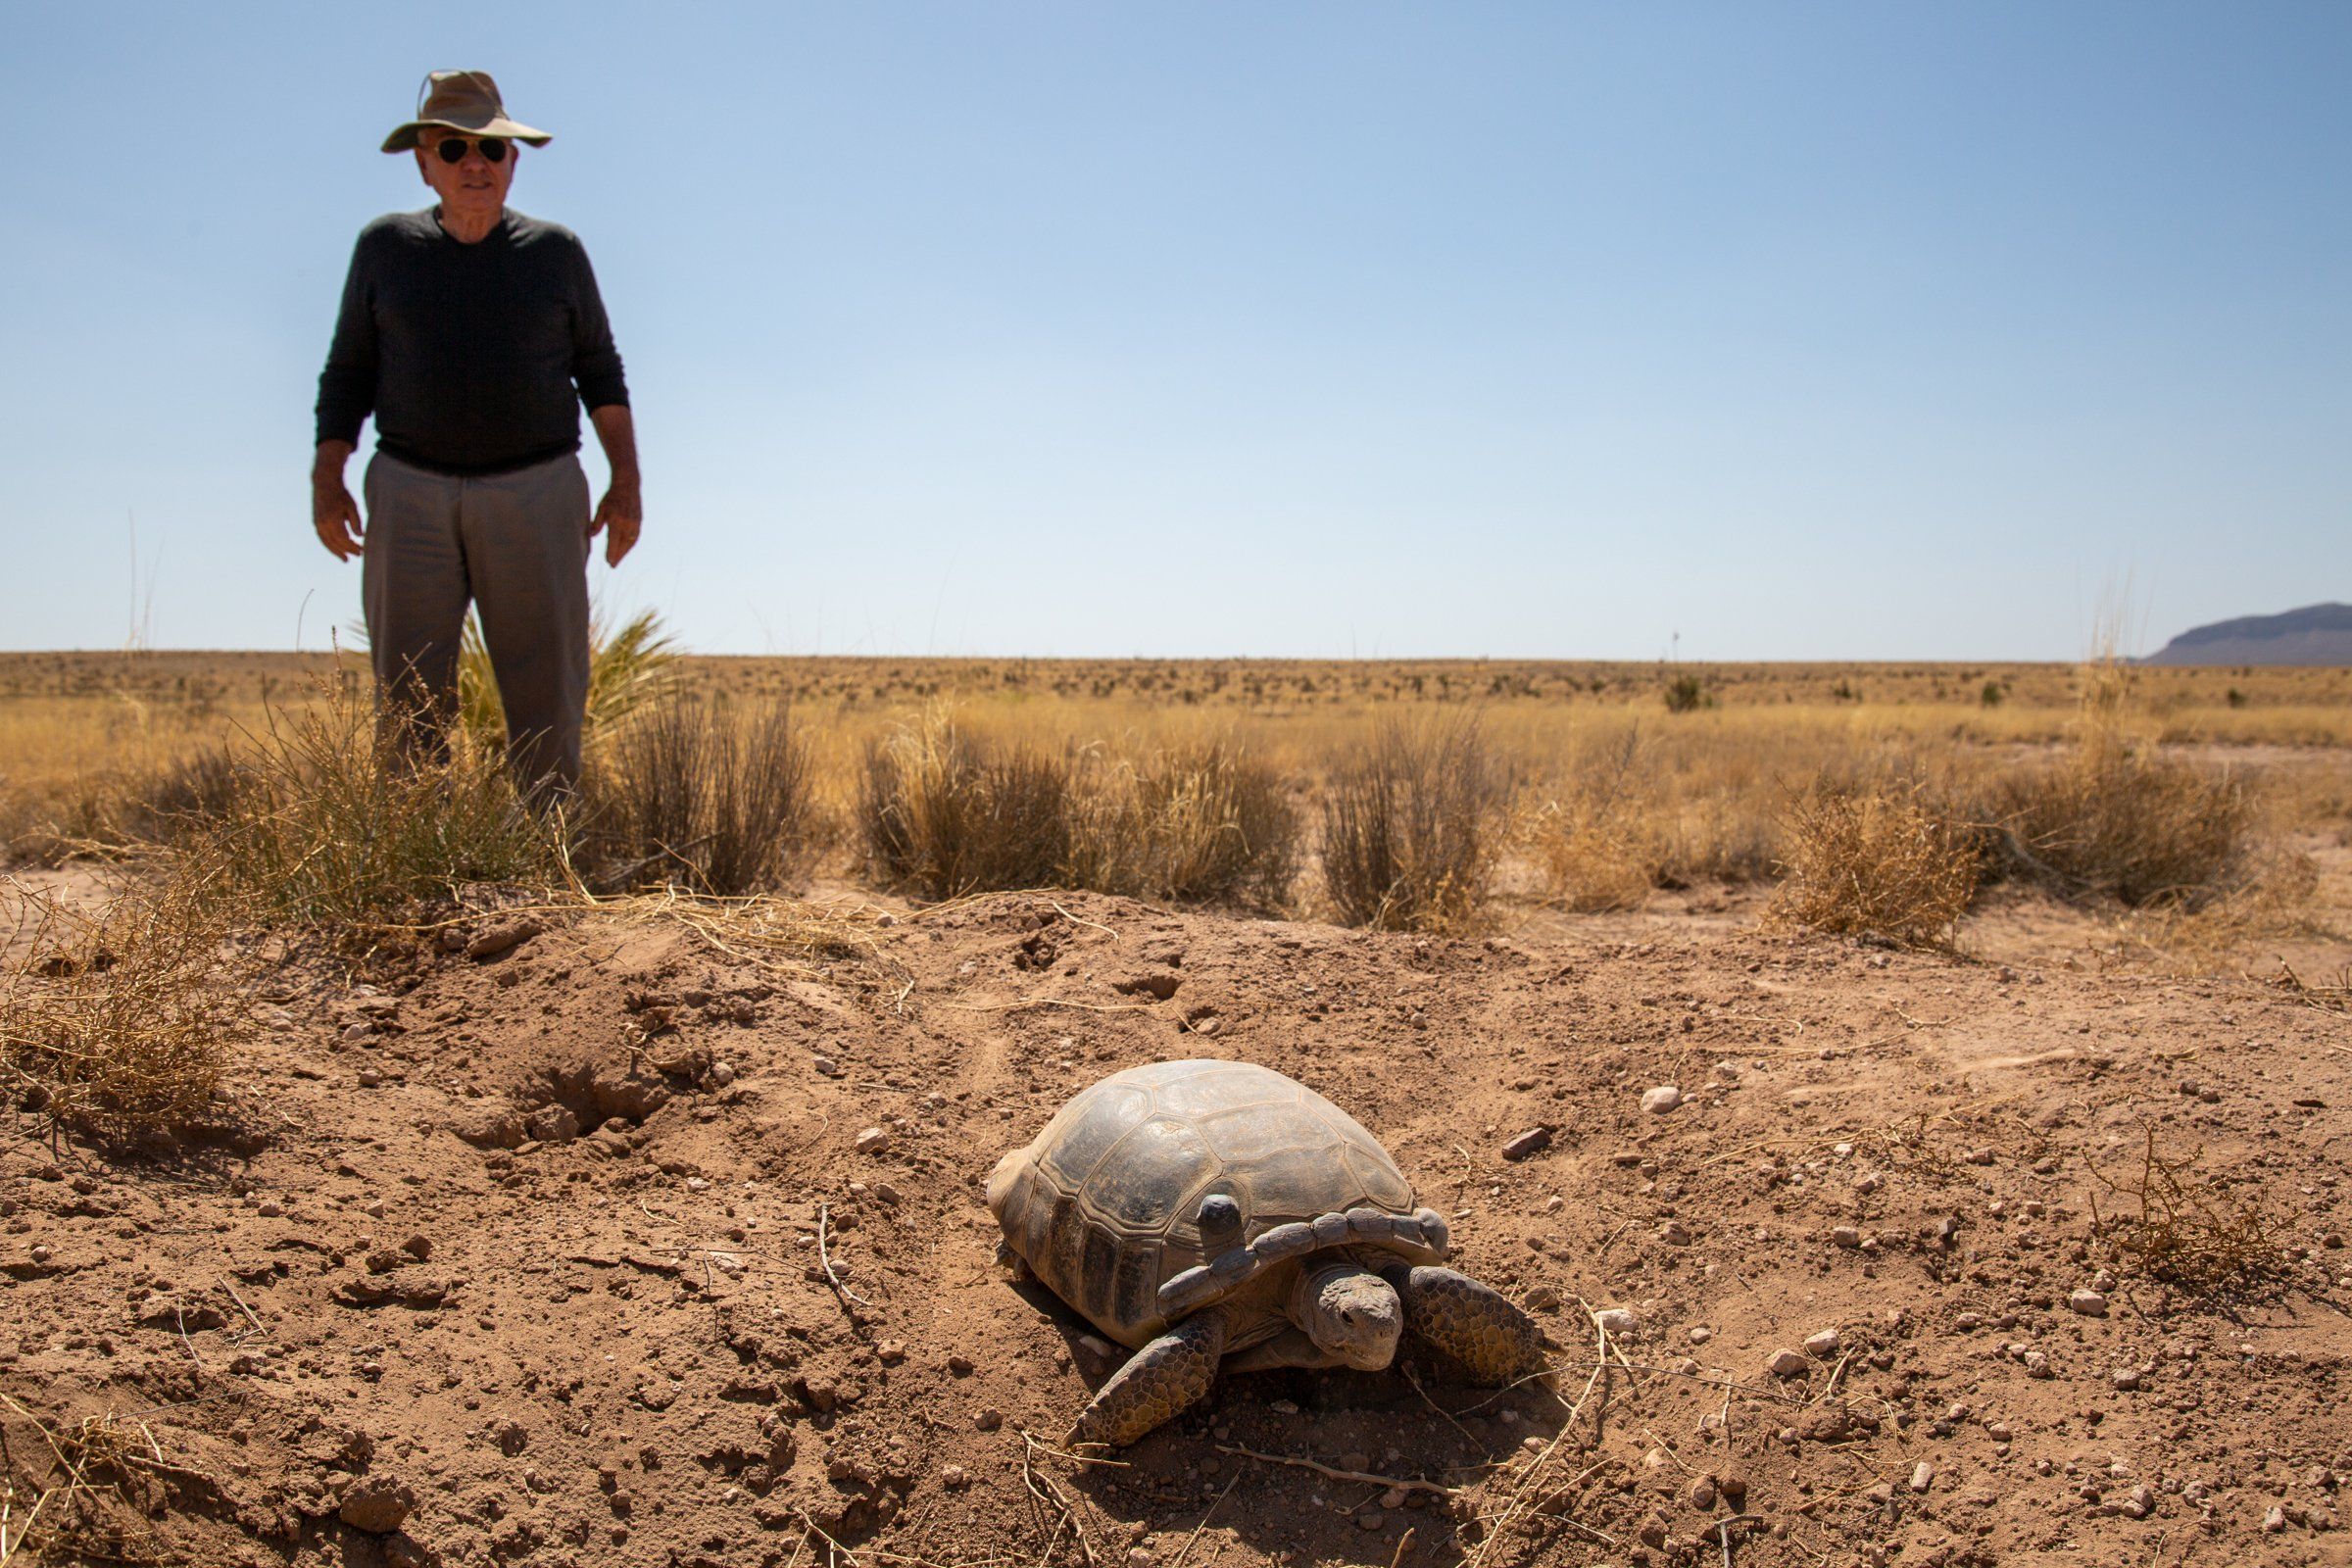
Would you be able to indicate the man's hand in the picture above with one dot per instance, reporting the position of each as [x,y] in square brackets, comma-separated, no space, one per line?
[622,511]
[333,512]
[619,518]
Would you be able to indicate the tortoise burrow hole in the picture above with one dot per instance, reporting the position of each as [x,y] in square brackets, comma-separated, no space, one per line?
[1158,984]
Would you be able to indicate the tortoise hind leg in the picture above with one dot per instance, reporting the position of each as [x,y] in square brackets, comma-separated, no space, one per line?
[1157,1382]
[1473,1323]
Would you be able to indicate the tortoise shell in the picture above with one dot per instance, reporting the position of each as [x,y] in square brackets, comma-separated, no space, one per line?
[1106,1204]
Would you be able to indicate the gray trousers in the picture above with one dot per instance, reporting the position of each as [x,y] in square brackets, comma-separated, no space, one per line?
[517,546]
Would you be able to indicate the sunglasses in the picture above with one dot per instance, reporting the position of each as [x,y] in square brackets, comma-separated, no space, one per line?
[452,149]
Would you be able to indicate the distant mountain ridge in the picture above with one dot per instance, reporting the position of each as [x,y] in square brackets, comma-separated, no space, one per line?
[2315,634]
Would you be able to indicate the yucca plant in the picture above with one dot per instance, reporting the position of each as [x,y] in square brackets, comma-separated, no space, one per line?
[627,668]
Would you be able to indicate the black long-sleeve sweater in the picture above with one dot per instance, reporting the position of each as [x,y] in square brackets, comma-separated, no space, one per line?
[469,356]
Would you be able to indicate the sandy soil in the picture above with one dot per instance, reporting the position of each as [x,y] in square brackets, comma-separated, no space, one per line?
[516,1257]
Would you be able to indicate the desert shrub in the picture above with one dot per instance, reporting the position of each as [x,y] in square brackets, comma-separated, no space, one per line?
[118,1026]
[1687,694]
[2170,1222]
[1198,823]
[184,796]
[1875,861]
[328,828]
[2115,818]
[2142,829]
[945,812]
[701,794]
[1412,826]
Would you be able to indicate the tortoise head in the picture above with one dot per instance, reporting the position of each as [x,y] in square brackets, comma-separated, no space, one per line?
[1350,1312]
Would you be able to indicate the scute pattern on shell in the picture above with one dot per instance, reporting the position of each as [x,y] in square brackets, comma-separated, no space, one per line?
[1104,1205]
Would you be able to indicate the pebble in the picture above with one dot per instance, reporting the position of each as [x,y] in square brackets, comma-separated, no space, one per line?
[825,1066]
[419,1247]
[1700,1334]
[1534,1141]
[1661,1100]
[2126,1378]
[2274,1521]
[1923,1476]
[1542,1299]
[2090,1303]
[1823,1344]
[1617,1322]
[1703,1494]
[954,1478]
[872,1141]
[1674,1233]
[1785,1363]
[502,938]
[990,1419]
[1846,1236]
[378,1504]
[269,1209]
[369,1077]
[960,1365]
[722,1073]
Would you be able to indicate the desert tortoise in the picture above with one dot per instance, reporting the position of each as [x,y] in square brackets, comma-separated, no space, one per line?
[1208,1212]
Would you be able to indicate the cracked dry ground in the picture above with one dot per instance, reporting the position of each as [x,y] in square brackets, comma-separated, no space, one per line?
[521,1254]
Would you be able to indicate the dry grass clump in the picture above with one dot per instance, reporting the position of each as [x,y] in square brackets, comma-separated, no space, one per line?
[1597,838]
[2113,818]
[700,793]
[2183,1229]
[118,1026]
[1200,822]
[1412,826]
[1877,861]
[327,827]
[77,1492]
[945,812]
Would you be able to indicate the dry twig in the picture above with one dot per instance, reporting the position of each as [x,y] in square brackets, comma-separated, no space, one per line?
[1366,1477]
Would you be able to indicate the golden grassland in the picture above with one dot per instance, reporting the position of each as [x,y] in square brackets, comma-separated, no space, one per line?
[63,715]
[1598,782]
[2191,812]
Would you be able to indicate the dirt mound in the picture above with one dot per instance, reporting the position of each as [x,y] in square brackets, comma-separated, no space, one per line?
[617,1245]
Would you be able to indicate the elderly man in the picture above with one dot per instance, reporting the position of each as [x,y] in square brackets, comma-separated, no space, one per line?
[474,334]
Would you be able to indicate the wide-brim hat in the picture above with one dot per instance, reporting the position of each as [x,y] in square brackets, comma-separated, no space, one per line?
[467,101]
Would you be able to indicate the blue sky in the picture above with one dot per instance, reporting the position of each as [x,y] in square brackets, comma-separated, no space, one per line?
[1522,330]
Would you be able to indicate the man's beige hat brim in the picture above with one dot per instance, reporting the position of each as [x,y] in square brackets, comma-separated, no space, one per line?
[463,101]
[407,137]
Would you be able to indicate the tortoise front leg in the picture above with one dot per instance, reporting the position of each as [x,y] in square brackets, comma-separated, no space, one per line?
[1473,1323]
[1157,1382]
